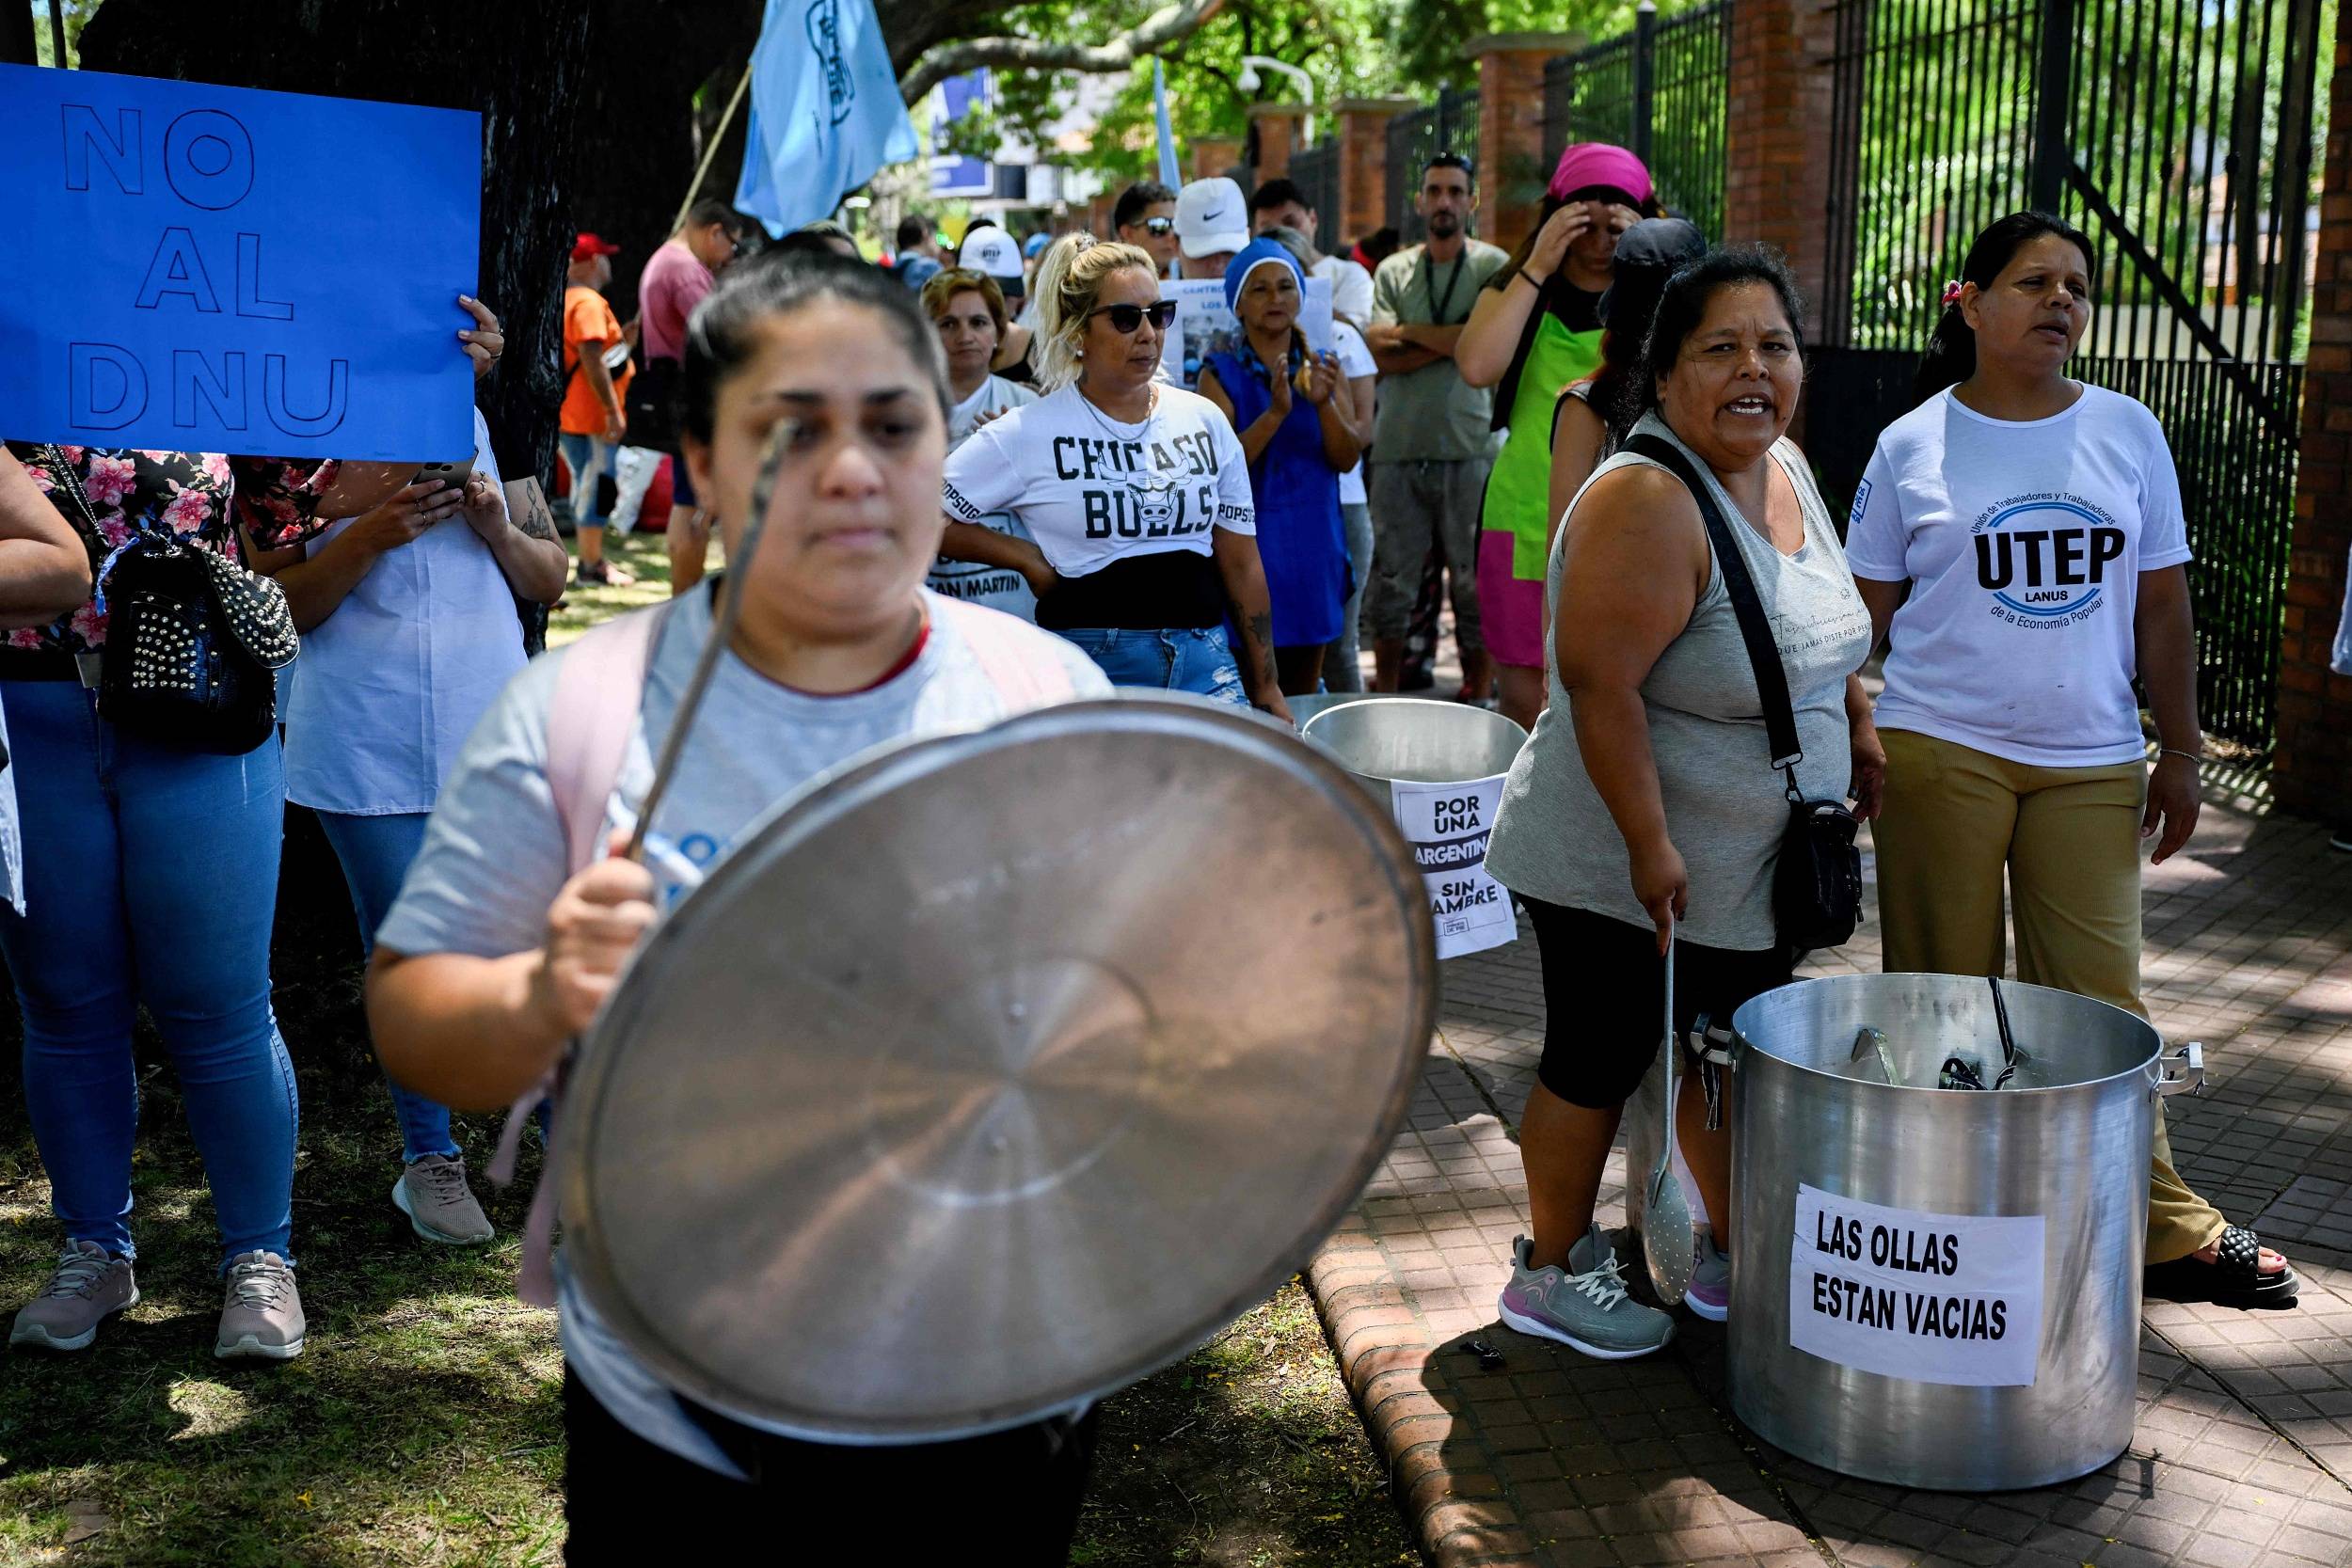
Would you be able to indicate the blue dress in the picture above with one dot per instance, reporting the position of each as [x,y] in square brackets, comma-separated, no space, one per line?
[1301,537]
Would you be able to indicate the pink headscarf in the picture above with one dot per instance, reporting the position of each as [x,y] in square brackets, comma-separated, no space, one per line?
[1586,163]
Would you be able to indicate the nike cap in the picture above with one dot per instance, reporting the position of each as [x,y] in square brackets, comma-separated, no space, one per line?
[1212,216]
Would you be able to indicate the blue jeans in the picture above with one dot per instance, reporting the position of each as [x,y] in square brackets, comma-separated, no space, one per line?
[1200,662]
[150,875]
[586,456]
[375,852]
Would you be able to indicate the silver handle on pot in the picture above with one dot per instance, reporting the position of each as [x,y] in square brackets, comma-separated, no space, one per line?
[2190,1059]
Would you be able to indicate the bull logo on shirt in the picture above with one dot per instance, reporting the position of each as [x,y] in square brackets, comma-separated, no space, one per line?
[1158,501]
[2044,559]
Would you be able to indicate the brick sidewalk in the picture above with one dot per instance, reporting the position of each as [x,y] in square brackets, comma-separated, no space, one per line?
[2244,1450]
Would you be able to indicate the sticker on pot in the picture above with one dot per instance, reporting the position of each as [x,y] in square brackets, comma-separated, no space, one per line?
[1447,824]
[1932,1298]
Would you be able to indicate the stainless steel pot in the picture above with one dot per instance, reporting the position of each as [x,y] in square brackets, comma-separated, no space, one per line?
[991,1072]
[1414,740]
[1821,1161]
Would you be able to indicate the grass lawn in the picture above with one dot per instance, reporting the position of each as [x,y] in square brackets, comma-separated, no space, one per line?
[421,1425]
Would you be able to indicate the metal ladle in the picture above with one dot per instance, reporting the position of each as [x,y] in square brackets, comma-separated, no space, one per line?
[1669,1239]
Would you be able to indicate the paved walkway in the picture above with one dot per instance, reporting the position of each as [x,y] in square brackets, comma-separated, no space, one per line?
[2244,1450]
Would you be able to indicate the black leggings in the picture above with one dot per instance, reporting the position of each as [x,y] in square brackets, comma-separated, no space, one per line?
[1010,1497]
[1605,998]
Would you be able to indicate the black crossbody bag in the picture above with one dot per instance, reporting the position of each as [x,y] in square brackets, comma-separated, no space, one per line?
[1816,885]
[194,641]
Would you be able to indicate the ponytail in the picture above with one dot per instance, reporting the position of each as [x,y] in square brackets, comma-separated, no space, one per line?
[1951,353]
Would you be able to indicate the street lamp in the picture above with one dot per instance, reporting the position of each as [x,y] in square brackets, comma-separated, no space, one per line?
[1249,81]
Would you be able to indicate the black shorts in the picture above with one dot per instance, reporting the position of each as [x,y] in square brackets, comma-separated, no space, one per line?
[627,1500]
[1605,998]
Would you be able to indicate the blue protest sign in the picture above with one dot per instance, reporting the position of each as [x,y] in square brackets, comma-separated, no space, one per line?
[197,268]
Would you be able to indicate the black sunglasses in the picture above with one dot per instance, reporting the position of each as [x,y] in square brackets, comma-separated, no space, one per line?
[1159,227]
[1126,318]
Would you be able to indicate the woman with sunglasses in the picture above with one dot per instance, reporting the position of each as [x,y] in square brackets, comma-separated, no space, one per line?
[1137,494]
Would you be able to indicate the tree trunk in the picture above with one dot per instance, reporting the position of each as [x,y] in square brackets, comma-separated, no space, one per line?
[521,64]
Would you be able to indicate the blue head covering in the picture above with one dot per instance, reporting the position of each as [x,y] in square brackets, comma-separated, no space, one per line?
[1254,255]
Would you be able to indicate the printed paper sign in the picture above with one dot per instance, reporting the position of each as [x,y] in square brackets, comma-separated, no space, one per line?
[1204,326]
[1447,824]
[1933,1298]
[196,268]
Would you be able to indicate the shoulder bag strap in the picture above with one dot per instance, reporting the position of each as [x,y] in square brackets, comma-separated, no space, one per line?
[1771,681]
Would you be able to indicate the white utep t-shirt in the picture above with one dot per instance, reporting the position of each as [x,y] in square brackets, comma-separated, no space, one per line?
[2024,542]
[997,587]
[1092,489]
[1354,359]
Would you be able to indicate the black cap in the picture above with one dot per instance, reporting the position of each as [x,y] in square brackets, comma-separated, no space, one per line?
[1648,253]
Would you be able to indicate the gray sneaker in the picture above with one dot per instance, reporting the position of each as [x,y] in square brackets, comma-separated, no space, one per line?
[88,1287]
[1586,1307]
[260,1314]
[1710,1292]
[439,1206]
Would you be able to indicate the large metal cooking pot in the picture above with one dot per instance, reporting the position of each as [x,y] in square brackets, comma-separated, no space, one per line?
[1439,768]
[1940,1288]
[991,1073]
[1415,740]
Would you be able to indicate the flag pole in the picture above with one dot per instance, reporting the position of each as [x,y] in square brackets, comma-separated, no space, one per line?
[1168,136]
[710,149]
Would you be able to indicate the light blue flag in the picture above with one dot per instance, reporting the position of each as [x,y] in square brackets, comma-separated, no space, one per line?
[825,111]
[1167,137]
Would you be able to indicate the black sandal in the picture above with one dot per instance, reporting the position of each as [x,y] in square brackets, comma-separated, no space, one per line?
[2234,1278]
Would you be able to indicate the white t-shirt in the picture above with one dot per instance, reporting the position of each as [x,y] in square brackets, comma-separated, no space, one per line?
[1092,489]
[994,586]
[494,856]
[1351,287]
[390,685]
[2024,542]
[1354,359]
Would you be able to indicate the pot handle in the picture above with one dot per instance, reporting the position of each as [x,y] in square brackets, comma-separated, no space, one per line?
[2190,1059]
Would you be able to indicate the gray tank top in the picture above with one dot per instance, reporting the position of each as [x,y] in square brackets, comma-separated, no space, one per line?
[1726,809]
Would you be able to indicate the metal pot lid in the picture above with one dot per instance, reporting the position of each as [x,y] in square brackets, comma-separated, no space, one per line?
[998,1070]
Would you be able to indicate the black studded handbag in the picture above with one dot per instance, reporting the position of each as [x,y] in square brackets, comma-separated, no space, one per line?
[194,641]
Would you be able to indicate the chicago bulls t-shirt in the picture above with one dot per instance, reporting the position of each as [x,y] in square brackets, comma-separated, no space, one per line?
[1100,496]
[2022,542]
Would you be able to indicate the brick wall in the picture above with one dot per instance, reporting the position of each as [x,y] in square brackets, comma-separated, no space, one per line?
[1213,156]
[1513,161]
[1364,169]
[1279,127]
[1776,175]
[2312,771]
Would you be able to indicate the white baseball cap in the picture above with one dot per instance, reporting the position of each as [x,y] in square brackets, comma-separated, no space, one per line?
[991,251]
[1212,216]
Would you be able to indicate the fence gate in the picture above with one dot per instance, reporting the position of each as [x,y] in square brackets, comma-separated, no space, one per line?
[1449,125]
[1657,90]
[2178,134]
[1316,173]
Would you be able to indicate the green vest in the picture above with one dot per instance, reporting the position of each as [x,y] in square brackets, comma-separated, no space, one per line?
[1518,492]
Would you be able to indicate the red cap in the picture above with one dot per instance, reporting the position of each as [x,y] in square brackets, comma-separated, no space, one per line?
[590,244]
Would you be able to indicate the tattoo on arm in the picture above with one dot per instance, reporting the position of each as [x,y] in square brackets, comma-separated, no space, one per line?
[536,521]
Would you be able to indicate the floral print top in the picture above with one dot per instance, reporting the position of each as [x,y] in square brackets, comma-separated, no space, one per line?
[198,497]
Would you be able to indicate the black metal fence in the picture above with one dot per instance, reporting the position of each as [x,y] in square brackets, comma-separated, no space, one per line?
[2178,134]
[1448,125]
[1658,91]
[1316,173]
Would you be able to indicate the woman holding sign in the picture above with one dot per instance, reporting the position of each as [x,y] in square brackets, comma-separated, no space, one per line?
[507,937]
[1645,808]
[407,635]
[1299,435]
[1135,493]
[968,309]
[2020,540]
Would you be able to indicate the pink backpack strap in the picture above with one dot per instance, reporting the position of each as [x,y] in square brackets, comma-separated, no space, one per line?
[1022,678]
[599,685]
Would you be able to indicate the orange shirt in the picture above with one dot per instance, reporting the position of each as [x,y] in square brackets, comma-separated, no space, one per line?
[587,319]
